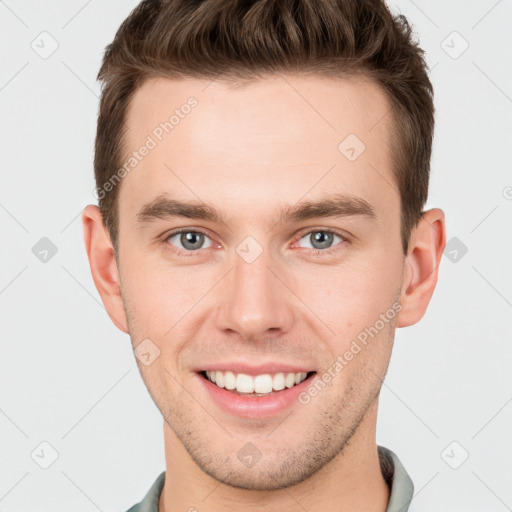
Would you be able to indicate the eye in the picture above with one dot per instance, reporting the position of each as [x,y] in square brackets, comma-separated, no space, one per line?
[189,240]
[321,239]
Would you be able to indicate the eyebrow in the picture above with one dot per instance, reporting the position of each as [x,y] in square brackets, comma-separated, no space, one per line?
[337,205]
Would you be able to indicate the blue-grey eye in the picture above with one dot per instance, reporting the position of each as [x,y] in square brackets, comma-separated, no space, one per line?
[321,239]
[189,240]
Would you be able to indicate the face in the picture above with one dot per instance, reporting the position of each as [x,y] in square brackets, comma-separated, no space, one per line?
[251,241]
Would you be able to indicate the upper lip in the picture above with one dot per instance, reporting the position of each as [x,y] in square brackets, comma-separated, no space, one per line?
[255,369]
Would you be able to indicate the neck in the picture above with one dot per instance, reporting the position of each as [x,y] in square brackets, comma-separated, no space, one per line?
[352,481]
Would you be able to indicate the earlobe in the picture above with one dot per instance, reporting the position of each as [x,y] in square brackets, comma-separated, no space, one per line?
[105,273]
[427,244]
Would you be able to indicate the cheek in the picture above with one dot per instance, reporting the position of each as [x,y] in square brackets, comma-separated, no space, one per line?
[349,296]
[158,296]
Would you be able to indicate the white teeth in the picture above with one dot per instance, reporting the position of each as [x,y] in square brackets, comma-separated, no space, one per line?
[289,381]
[229,380]
[244,383]
[261,384]
[299,377]
[278,381]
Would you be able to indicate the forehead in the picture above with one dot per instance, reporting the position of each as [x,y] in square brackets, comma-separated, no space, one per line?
[273,140]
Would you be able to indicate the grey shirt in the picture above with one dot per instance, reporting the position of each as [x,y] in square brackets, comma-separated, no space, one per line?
[394,473]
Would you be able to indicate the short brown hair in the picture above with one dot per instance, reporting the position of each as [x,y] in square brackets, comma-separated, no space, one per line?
[245,39]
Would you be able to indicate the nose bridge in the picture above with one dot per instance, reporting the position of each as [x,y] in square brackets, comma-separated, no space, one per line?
[253,300]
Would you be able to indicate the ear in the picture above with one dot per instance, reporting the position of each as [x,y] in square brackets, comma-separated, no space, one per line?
[426,247]
[105,273]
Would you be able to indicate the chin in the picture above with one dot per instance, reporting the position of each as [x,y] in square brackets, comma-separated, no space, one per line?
[265,475]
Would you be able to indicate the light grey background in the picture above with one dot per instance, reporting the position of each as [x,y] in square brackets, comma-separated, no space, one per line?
[68,376]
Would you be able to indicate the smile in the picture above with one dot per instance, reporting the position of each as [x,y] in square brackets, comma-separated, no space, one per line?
[255,385]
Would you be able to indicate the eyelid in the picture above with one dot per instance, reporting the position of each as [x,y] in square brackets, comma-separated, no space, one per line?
[346,237]
[320,228]
[177,231]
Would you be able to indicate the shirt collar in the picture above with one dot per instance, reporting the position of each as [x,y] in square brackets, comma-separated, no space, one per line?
[398,480]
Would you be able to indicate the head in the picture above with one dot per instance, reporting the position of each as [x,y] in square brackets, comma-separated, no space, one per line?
[261,170]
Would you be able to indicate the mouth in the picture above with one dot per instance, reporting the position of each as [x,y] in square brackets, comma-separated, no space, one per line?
[255,385]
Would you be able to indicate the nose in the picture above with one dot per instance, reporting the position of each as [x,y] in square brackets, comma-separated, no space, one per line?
[253,301]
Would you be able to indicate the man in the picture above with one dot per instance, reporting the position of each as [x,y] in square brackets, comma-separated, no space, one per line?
[261,169]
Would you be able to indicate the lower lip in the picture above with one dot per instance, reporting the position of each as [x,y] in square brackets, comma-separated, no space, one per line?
[254,406]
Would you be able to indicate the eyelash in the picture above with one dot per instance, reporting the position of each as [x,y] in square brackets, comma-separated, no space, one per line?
[314,252]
